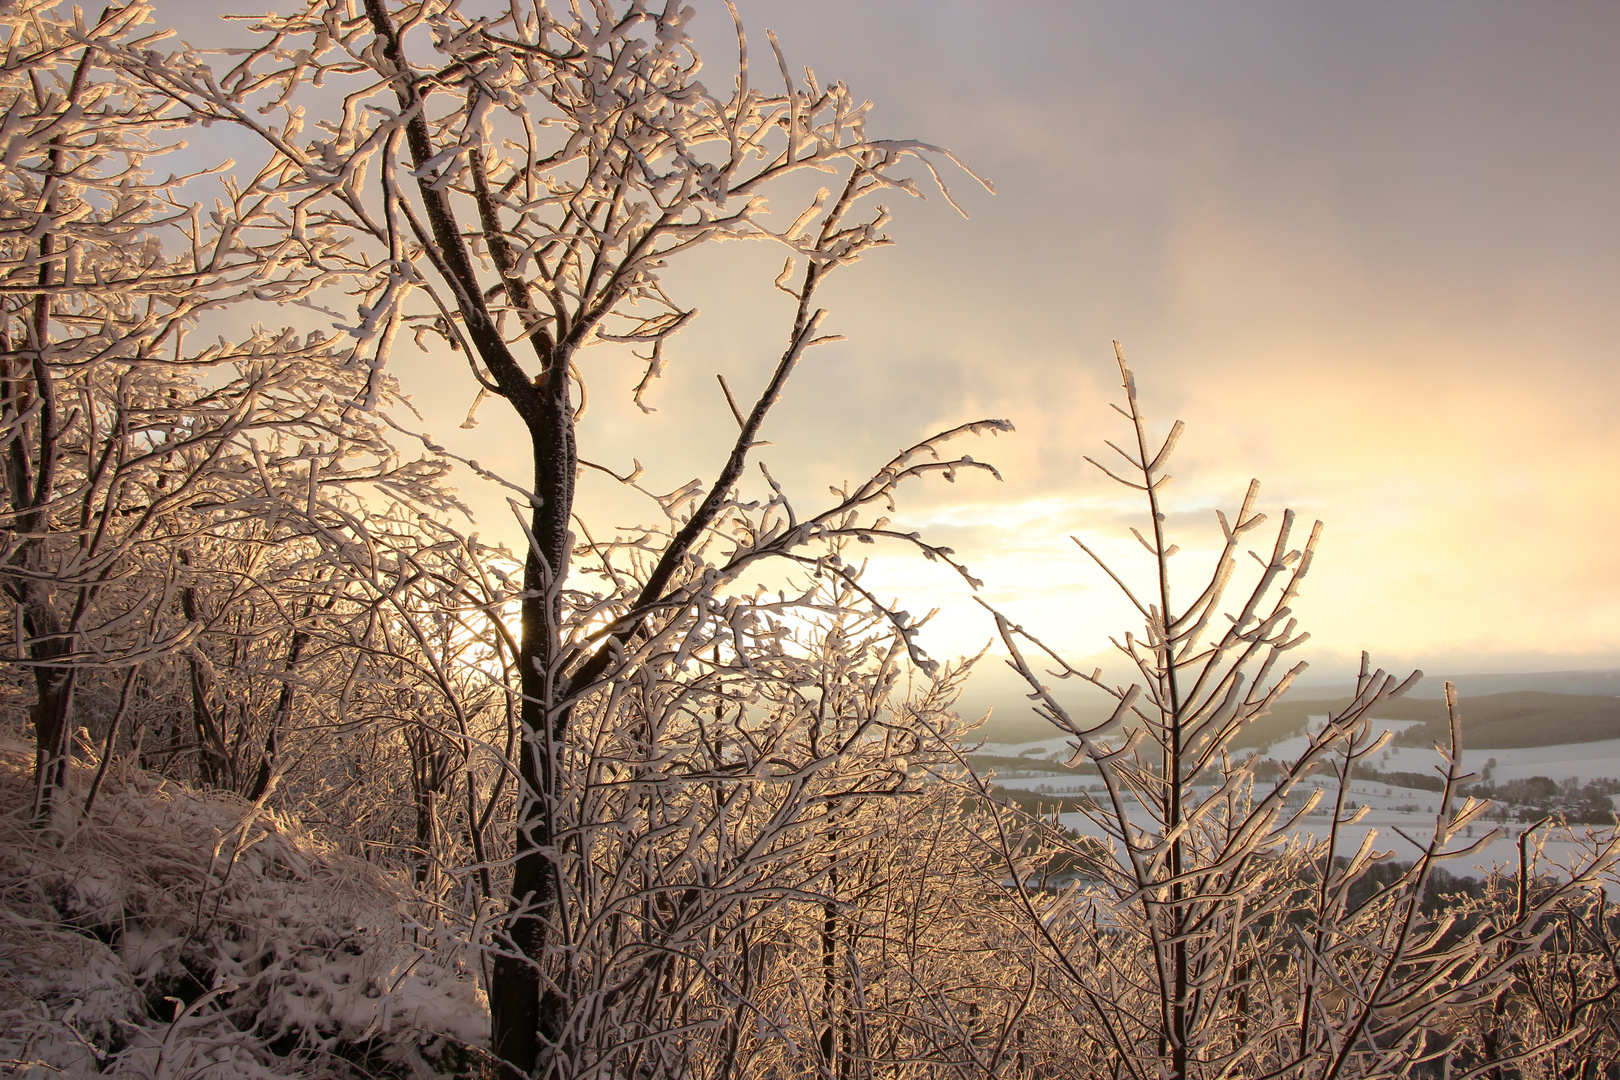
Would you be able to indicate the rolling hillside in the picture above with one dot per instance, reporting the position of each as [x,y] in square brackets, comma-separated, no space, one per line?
[1520,718]
[1499,711]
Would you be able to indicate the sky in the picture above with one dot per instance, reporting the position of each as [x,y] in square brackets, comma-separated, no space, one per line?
[1367,252]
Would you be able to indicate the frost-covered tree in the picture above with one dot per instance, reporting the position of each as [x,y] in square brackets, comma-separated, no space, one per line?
[155,485]
[517,182]
[73,216]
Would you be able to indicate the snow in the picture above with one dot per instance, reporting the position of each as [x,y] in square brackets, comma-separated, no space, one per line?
[261,937]
[1391,810]
[1584,761]
[1290,749]
[1040,748]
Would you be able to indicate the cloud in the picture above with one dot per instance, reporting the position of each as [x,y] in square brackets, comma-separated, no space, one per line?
[1367,252]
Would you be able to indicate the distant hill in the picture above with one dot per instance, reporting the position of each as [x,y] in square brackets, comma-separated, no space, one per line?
[1500,711]
[1516,719]
[1433,687]
[1604,683]
[1287,718]
[998,690]
[1520,718]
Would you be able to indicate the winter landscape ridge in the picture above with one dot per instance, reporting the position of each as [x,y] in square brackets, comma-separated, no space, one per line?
[1528,729]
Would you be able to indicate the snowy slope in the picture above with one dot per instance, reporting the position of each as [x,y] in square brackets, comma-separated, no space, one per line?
[177,933]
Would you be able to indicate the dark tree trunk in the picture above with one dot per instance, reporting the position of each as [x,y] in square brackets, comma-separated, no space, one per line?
[425,798]
[53,706]
[523,1017]
[31,485]
[526,1019]
[30,482]
[284,704]
[213,763]
[213,766]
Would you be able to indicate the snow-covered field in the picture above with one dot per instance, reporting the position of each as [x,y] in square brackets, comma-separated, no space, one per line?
[1583,761]
[1391,810]
[1418,826]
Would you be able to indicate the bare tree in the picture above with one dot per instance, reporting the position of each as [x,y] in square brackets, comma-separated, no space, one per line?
[131,454]
[1213,940]
[171,526]
[530,175]
[67,213]
[1557,1015]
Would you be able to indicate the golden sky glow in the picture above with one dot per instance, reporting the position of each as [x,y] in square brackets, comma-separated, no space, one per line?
[1368,252]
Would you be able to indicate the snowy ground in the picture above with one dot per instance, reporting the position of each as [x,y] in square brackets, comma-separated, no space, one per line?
[190,935]
[1583,761]
[1391,810]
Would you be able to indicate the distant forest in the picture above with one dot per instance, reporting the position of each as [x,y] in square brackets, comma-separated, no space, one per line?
[1520,718]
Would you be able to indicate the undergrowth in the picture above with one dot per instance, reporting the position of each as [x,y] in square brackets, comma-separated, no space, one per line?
[175,933]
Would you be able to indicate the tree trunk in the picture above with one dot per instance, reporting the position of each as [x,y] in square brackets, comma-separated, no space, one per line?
[425,799]
[53,704]
[520,1020]
[213,763]
[284,704]
[526,1021]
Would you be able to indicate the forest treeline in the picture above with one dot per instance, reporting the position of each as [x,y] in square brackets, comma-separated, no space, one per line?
[317,780]
[1517,718]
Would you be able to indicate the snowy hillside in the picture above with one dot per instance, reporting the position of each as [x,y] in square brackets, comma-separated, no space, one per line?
[1393,810]
[181,934]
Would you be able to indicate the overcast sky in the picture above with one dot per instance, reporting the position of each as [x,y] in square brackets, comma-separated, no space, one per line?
[1367,251]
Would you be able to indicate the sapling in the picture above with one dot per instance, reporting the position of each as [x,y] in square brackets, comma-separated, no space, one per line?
[1224,935]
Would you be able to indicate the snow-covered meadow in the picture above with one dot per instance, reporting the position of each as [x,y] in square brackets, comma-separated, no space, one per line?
[1402,817]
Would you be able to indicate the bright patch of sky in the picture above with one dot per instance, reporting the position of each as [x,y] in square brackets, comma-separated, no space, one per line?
[1368,252]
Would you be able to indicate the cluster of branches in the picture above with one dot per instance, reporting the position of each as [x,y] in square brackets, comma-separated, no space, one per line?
[518,182]
[169,509]
[637,778]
